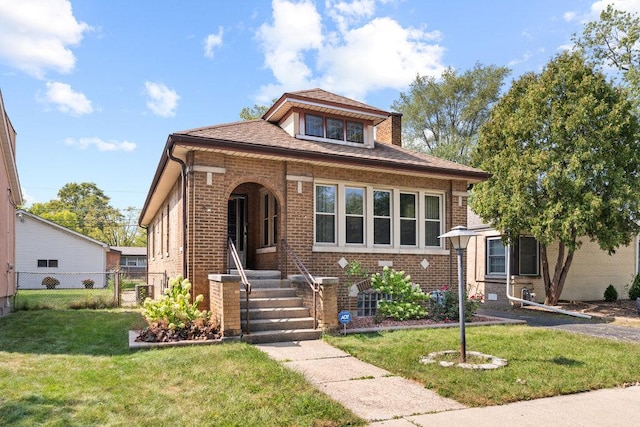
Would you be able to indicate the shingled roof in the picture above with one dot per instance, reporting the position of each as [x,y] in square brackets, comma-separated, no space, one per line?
[264,138]
[267,139]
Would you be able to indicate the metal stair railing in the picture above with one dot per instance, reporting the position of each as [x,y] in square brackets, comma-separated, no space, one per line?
[308,278]
[243,280]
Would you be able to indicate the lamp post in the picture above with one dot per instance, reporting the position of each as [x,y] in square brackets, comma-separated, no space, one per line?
[459,237]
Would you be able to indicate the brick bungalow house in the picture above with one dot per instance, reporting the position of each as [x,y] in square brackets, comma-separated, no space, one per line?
[321,172]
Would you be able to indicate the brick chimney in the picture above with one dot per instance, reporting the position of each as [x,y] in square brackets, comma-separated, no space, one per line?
[390,131]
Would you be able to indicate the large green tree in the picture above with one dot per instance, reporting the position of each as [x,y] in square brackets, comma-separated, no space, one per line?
[86,209]
[612,43]
[442,116]
[563,148]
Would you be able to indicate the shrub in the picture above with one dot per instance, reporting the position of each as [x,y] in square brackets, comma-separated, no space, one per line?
[448,307]
[50,282]
[407,299]
[634,290]
[88,283]
[610,294]
[174,317]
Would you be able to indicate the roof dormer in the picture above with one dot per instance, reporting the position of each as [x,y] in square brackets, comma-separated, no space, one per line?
[319,115]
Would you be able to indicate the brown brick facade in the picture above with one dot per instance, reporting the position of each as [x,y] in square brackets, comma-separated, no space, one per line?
[212,179]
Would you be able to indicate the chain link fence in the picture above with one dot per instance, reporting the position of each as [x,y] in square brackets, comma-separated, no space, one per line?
[85,289]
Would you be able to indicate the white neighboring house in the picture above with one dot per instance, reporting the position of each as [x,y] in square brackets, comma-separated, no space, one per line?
[44,248]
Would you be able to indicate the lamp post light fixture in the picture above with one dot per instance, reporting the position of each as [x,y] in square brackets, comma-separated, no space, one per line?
[459,237]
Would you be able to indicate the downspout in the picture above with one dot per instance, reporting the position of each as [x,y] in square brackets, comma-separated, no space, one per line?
[450,215]
[524,301]
[183,175]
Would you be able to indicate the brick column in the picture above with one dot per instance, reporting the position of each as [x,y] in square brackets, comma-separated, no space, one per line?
[326,301]
[224,302]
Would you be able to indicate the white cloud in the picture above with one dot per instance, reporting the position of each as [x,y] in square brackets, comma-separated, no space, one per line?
[296,28]
[632,6]
[525,57]
[569,16]
[358,58]
[212,41]
[67,101]
[348,13]
[162,100]
[100,144]
[36,35]
[380,54]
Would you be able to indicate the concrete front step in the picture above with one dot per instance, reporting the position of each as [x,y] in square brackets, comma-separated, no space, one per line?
[282,335]
[269,283]
[275,313]
[260,274]
[282,302]
[268,293]
[261,325]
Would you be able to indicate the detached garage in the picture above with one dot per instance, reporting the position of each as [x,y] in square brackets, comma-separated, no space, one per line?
[44,248]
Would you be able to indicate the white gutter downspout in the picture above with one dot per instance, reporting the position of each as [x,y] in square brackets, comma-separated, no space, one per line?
[524,301]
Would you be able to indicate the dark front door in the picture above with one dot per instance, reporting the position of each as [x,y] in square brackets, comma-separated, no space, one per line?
[237,227]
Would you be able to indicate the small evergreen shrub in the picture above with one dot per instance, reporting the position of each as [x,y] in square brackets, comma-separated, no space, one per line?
[50,282]
[407,299]
[634,290]
[610,294]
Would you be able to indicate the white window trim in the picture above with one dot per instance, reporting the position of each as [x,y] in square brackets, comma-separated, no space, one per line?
[271,219]
[492,274]
[369,247]
[342,214]
[367,129]
[335,214]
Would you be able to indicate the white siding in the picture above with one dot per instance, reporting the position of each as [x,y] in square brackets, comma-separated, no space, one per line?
[75,254]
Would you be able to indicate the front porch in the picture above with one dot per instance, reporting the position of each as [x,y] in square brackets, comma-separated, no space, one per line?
[274,309]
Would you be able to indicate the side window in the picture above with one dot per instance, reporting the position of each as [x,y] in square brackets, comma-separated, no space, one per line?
[529,264]
[432,222]
[325,214]
[496,256]
[408,219]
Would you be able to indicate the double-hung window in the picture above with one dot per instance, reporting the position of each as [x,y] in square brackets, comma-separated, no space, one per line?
[408,219]
[269,214]
[381,217]
[432,221]
[354,215]
[326,214]
[496,256]
[528,250]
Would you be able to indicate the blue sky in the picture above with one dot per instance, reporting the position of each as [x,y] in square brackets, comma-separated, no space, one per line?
[94,87]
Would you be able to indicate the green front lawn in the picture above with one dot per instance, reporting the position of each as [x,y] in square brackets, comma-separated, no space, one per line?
[74,368]
[542,362]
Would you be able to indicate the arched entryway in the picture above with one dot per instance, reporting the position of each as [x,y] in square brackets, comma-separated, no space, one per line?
[253,215]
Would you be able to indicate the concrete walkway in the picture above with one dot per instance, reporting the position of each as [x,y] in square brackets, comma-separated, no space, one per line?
[391,401]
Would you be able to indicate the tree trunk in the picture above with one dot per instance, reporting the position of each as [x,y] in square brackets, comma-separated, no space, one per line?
[553,286]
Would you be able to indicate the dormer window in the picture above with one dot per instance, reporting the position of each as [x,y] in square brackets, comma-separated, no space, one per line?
[333,128]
